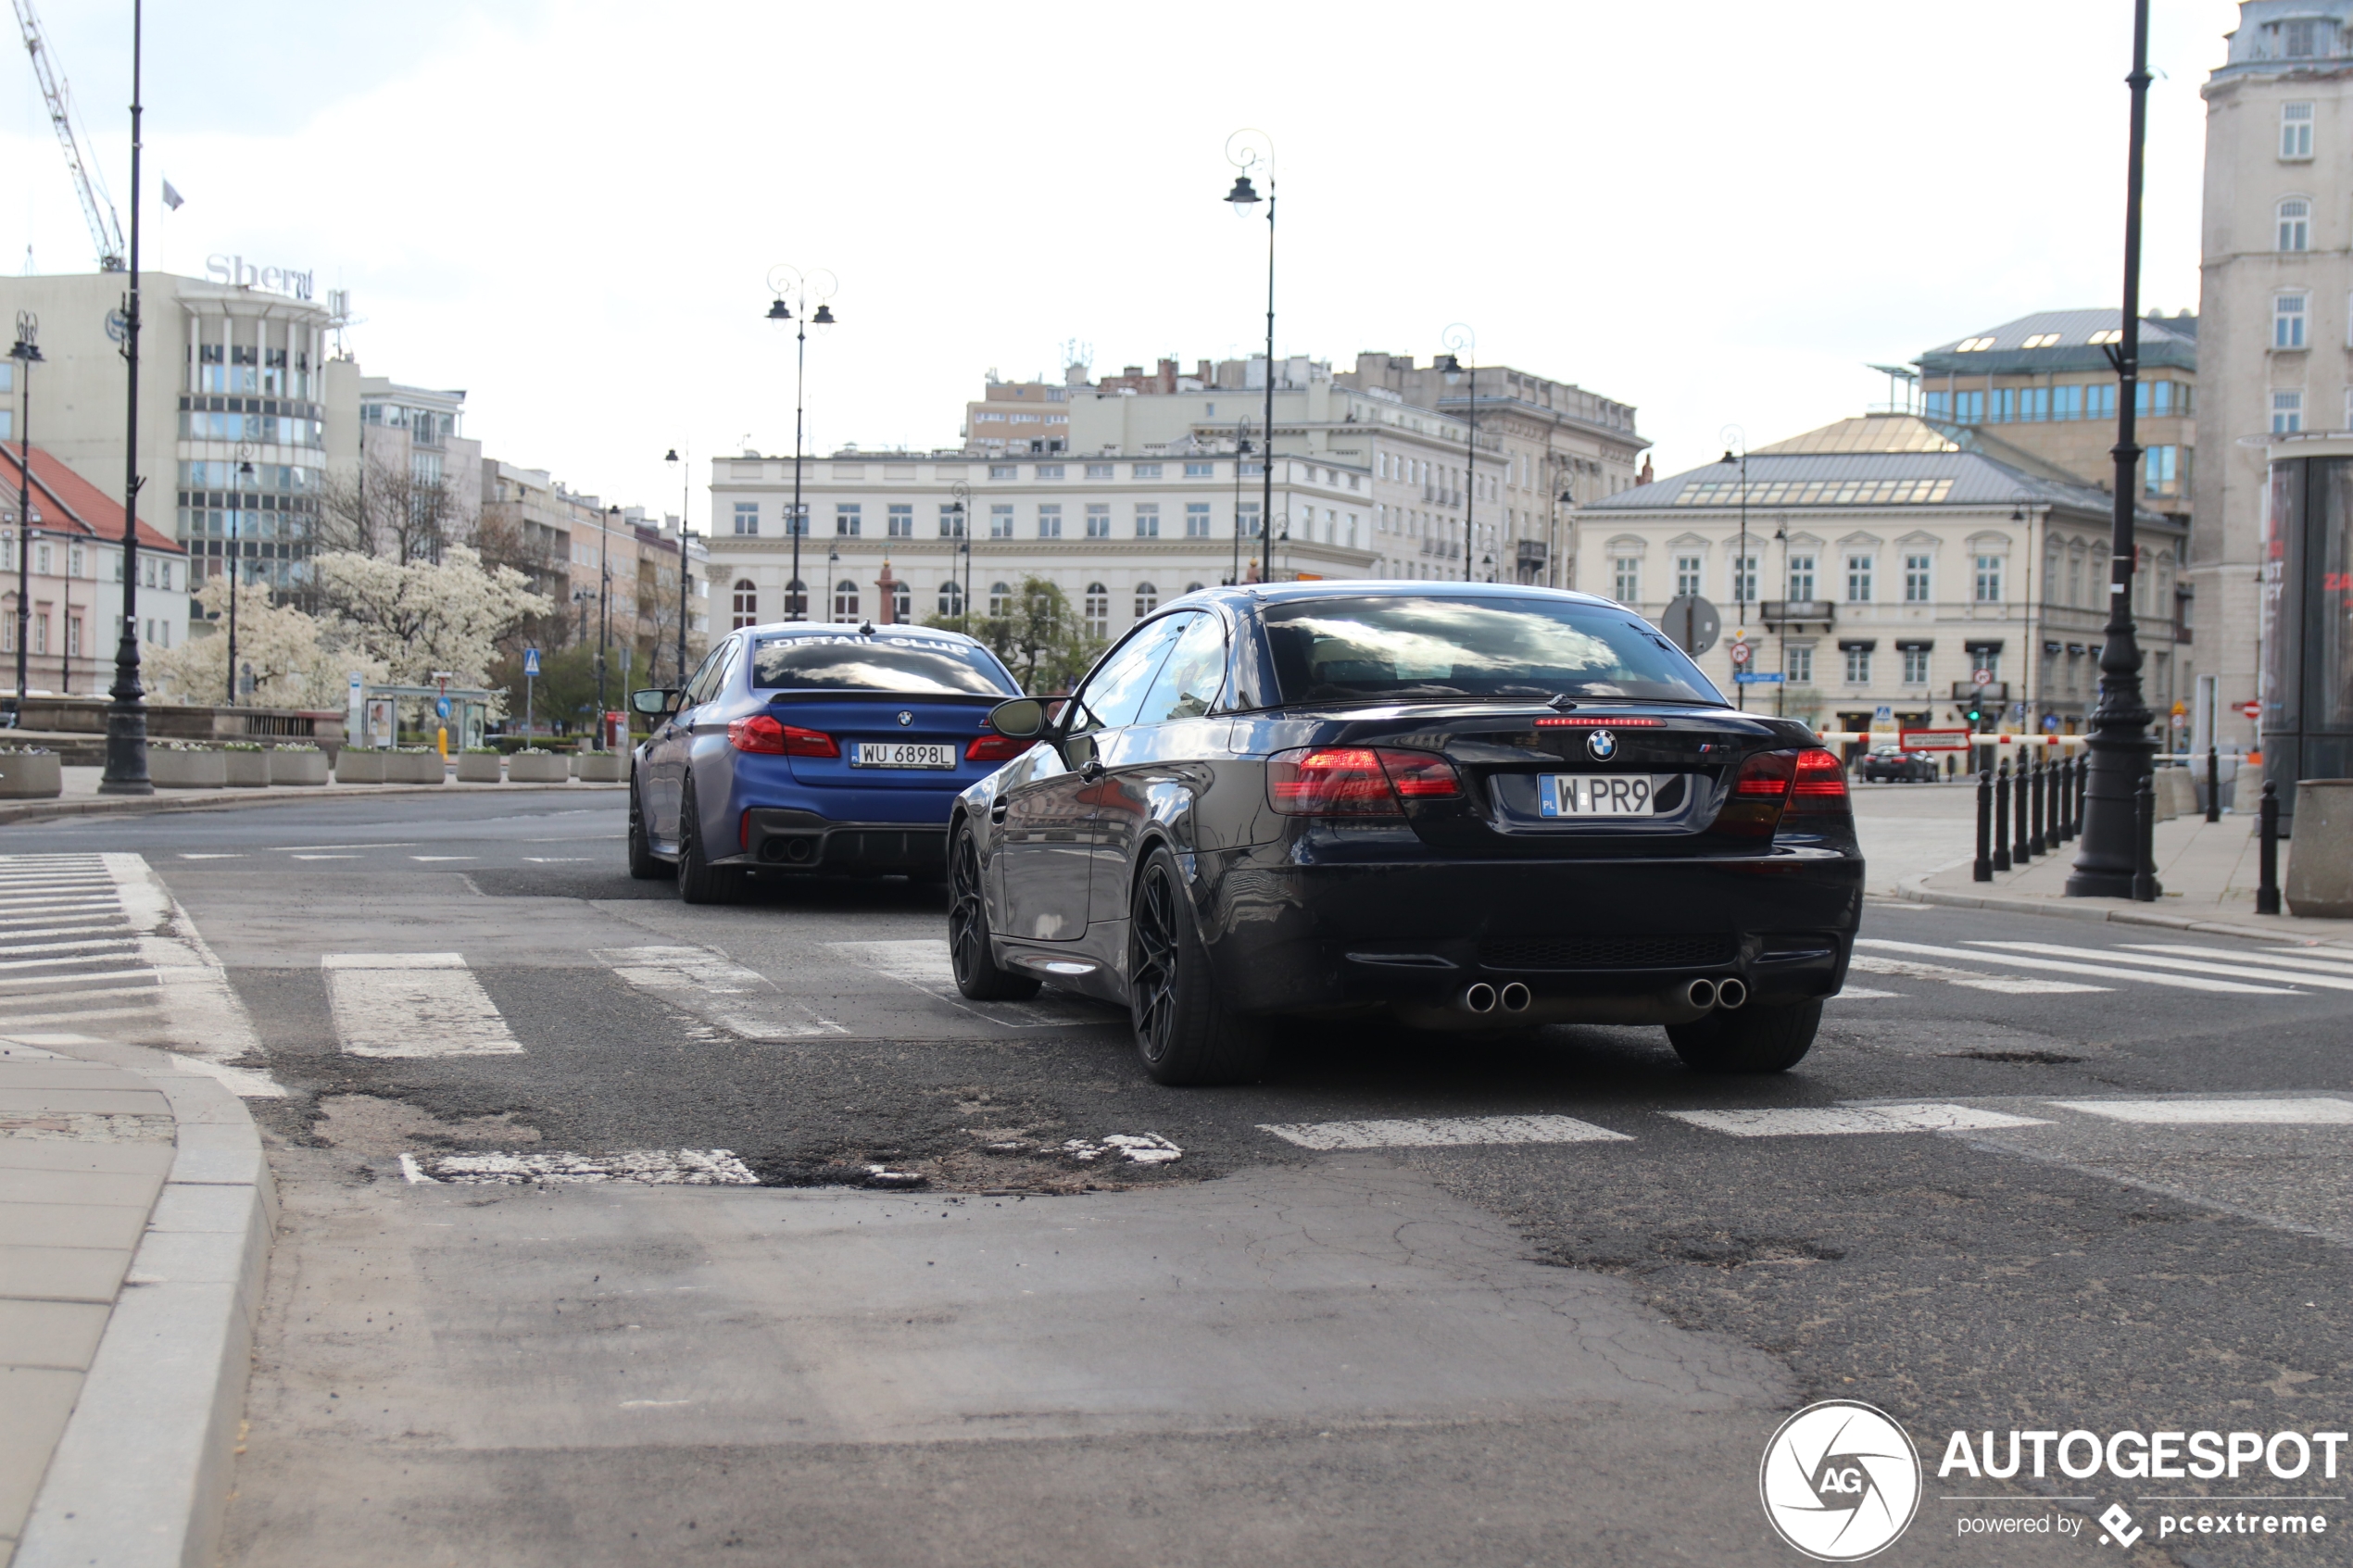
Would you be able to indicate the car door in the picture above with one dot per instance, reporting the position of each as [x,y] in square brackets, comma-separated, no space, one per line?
[671,751]
[1046,836]
[1136,756]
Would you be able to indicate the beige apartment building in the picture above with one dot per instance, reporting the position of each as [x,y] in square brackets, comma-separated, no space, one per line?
[412,441]
[2276,301]
[1020,417]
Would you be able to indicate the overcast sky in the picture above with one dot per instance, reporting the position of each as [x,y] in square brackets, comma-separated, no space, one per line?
[1719,212]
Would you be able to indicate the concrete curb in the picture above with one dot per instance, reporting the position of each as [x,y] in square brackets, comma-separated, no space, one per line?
[1915,889]
[230,800]
[140,1477]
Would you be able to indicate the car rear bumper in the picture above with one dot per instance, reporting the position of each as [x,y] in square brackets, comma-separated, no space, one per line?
[787,838]
[1593,941]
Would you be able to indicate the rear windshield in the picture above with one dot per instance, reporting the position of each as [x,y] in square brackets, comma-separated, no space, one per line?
[1385,647]
[880,664]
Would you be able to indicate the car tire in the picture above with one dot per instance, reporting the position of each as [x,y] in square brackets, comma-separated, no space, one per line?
[700,882]
[1751,1039]
[978,974]
[1185,1033]
[642,864]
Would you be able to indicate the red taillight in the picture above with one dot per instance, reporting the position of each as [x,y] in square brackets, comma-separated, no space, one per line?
[1357,781]
[1821,775]
[1600,722]
[1764,777]
[765,734]
[996,749]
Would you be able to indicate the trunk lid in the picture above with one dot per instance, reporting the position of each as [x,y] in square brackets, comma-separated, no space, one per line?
[882,720]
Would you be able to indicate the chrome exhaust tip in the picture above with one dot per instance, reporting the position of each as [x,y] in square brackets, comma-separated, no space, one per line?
[1479,997]
[1730,993]
[1701,993]
[1515,998]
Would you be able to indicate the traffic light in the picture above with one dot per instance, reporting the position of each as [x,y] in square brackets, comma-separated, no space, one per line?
[1974,715]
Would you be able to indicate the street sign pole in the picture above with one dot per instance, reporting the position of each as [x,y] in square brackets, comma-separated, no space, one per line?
[529,674]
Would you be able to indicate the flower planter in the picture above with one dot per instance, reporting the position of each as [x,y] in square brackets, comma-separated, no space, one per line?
[297,767]
[477,768]
[245,770]
[536,766]
[422,766]
[354,766]
[28,775]
[186,770]
[603,767]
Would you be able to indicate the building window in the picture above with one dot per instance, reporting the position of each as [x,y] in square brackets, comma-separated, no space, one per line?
[951,520]
[1916,580]
[747,603]
[1744,579]
[1005,471]
[1916,667]
[846,519]
[1144,470]
[2287,320]
[1989,580]
[1148,519]
[1049,522]
[2067,402]
[1097,519]
[1050,471]
[1246,520]
[902,603]
[2295,132]
[1197,520]
[845,601]
[1797,666]
[1987,659]
[746,516]
[1686,575]
[1096,608]
[1859,667]
[2162,471]
[2288,412]
[798,523]
[1201,470]
[1859,580]
[2296,228]
[795,600]
[1098,470]
[951,598]
[1147,599]
[1001,522]
[900,522]
[1001,598]
[1801,577]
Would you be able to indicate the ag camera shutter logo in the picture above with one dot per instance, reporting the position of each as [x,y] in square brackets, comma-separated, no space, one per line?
[1840,1481]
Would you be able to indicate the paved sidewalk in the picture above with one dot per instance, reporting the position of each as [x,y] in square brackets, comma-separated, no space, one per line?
[135,1216]
[80,797]
[2207,871]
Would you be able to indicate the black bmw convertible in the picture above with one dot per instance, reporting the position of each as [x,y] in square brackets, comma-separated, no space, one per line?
[1463,805]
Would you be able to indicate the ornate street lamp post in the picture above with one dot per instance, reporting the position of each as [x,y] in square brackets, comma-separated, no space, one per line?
[25,352]
[1259,155]
[126,770]
[963,513]
[1736,455]
[1461,340]
[782,280]
[686,559]
[236,560]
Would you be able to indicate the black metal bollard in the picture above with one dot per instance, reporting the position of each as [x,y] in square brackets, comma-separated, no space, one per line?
[2144,887]
[2036,838]
[2267,883]
[1983,870]
[2021,852]
[2062,793]
[2082,788]
[2002,815]
[2213,784]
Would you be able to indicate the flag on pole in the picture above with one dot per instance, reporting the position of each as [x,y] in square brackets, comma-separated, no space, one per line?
[172,199]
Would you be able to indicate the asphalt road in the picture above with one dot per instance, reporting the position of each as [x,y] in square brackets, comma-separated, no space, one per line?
[2036,1175]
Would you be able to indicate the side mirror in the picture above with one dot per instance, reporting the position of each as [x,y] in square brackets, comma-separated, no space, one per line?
[1022,718]
[653,702]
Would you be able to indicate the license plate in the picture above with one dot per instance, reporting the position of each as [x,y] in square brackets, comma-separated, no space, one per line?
[1594,795]
[899,754]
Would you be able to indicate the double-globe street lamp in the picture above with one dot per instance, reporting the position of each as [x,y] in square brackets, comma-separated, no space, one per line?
[1460,341]
[126,770]
[801,286]
[686,557]
[1736,457]
[960,509]
[236,557]
[1248,150]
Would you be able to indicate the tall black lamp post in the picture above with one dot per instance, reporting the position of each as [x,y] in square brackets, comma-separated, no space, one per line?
[1461,341]
[960,509]
[25,352]
[1248,150]
[1736,457]
[2119,743]
[604,614]
[782,280]
[126,770]
[686,559]
[236,558]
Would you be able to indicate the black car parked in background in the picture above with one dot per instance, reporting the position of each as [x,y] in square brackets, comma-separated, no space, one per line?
[1464,805]
[1886,763]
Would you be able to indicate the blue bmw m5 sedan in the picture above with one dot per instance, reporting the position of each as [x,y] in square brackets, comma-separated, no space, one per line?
[805,748]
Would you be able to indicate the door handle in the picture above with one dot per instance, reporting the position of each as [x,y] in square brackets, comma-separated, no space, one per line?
[1090,770]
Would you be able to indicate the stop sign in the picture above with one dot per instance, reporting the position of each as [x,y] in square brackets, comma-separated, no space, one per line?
[2252,710]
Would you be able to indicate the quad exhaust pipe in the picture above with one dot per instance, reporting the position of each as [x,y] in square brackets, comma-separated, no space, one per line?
[1729,992]
[1515,998]
[1479,996]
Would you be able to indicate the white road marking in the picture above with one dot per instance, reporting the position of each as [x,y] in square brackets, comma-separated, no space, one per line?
[212,857]
[98,993]
[289,848]
[699,981]
[1822,1120]
[662,1167]
[922,962]
[1975,979]
[71,979]
[1442,1132]
[53,901]
[412,1005]
[326,857]
[90,922]
[2097,972]
[82,1017]
[445,857]
[1138,1148]
[2270,959]
[2193,966]
[2317,1112]
[558,860]
[66,946]
[1865,994]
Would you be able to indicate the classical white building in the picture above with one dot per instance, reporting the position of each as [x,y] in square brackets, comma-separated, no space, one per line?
[1881,563]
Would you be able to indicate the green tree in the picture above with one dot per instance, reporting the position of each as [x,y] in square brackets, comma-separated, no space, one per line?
[1042,641]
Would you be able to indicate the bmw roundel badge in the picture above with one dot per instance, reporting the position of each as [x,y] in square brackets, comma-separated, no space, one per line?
[905,718]
[1602,744]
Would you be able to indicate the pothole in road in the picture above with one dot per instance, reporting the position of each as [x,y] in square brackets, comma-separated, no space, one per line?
[372,1126]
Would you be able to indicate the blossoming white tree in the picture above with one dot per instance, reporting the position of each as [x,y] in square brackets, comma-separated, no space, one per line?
[418,618]
[298,660]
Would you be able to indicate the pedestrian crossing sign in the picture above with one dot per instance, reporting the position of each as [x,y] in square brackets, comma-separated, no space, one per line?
[531,661]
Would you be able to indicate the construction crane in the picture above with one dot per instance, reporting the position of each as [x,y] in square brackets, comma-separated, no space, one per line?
[97,206]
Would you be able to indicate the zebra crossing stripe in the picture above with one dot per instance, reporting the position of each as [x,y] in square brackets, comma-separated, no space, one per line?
[2062,966]
[1824,1121]
[1444,1131]
[2269,958]
[2316,1110]
[2193,966]
[660,1167]
[1975,979]
[412,1005]
[717,990]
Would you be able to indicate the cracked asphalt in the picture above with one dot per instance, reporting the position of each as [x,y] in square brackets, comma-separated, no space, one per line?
[1506,1353]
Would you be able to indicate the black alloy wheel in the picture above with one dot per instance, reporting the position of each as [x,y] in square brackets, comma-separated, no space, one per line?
[642,864]
[700,882]
[1184,1031]
[1749,1039]
[978,974]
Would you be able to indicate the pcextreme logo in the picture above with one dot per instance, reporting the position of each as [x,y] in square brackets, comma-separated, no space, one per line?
[1840,1481]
